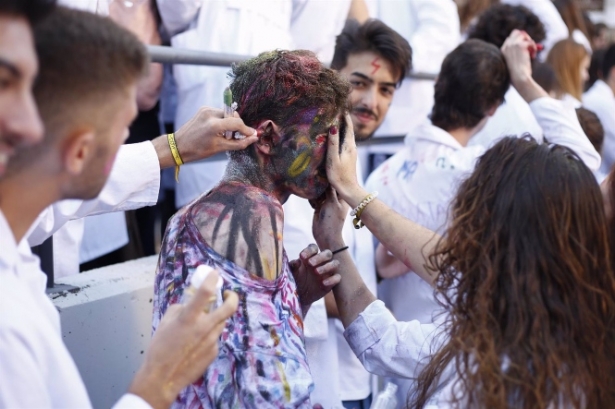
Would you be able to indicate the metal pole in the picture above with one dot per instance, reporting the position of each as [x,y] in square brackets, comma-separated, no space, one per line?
[172,55]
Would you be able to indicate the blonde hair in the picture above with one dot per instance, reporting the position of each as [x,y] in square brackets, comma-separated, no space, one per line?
[565,58]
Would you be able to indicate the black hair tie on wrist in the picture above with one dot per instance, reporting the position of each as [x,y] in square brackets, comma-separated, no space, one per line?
[339,250]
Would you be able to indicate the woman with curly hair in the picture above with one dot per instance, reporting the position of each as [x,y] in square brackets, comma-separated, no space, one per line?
[523,275]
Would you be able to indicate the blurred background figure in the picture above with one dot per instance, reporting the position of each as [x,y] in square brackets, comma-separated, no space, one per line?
[570,62]
[573,17]
[595,133]
[469,11]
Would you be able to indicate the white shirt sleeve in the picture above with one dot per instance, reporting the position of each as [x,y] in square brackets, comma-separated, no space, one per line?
[387,347]
[561,126]
[178,14]
[134,182]
[130,401]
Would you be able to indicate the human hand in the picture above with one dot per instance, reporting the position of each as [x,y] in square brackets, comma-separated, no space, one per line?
[342,162]
[328,221]
[184,345]
[518,50]
[203,136]
[315,274]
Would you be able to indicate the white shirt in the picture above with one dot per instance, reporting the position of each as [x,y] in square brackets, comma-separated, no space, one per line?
[432,29]
[225,26]
[601,100]
[353,380]
[36,369]
[513,118]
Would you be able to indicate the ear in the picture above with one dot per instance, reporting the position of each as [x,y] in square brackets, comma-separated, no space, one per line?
[492,110]
[77,150]
[269,136]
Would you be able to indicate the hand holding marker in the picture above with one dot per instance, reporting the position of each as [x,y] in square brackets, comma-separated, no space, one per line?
[229,110]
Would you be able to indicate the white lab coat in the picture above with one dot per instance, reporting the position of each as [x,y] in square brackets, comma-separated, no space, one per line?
[225,26]
[432,29]
[36,369]
[397,349]
[353,381]
[513,118]
[316,24]
[600,99]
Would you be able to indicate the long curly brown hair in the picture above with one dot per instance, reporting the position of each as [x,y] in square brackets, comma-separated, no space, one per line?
[526,282]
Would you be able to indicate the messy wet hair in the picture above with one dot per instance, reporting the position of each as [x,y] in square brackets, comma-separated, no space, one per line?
[278,84]
[526,282]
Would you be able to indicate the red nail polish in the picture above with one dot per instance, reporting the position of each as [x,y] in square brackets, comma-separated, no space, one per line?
[540,47]
[333,130]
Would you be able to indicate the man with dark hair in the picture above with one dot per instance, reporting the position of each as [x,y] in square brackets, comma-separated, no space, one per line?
[592,127]
[601,100]
[514,116]
[86,86]
[420,181]
[294,103]
[374,58]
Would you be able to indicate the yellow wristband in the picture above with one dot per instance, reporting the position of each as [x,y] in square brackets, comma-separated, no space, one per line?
[176,156]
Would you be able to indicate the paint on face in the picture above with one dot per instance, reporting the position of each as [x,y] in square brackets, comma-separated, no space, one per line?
[375,65]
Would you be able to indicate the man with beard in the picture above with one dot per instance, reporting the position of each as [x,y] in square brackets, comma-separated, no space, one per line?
[374,59]
[294,103]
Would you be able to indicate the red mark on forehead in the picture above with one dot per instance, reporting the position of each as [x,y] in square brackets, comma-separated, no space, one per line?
[375,65]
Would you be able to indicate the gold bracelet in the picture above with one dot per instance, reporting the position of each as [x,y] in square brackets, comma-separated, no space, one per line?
[357,211]
[176,156]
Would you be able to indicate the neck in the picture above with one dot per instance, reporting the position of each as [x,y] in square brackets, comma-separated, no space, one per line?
[23,197]
[251,173]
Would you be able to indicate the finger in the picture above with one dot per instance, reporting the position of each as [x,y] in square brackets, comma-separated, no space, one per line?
[349,139]
[332,281]
[227,309]
[237,144]
[328,268]
[202,297]
[308,252]
[211,112]
[332,196]
[334,145]
[294,264]
[236,125]
[320,258]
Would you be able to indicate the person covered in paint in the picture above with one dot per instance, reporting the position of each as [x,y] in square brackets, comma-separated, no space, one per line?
[294,103]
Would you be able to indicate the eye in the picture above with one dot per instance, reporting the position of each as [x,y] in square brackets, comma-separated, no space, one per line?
[357,84]
[387,91]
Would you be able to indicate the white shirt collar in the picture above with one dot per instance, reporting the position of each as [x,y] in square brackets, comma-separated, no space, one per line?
[9,254]
[429,132]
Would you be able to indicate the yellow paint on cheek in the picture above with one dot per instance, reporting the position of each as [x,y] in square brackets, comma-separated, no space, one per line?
[299,165]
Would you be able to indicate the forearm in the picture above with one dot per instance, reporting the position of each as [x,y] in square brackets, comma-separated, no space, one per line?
[351,295]
[528,88]
[331,306]
[409,242]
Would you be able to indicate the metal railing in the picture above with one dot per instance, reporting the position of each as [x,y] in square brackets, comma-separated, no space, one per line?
[171,55]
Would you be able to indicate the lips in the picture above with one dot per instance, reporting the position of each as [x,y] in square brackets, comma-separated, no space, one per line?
[363,116]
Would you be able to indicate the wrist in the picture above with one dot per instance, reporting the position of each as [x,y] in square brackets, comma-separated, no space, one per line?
[152,390]
[163,151]
[354,196]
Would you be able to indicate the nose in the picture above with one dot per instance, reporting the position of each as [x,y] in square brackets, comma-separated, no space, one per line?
[23,122]
[369,98]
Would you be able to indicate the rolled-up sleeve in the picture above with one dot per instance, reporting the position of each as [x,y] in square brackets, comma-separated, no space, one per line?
[134,182]
[561,126]
[387,347]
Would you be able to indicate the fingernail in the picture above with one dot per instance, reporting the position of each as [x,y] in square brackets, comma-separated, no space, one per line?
[540,47]
[252,132]
[333,130]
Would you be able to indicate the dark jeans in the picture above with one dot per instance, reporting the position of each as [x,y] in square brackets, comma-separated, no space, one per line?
[358,404]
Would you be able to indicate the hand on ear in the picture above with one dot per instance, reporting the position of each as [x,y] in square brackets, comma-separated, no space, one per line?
[77,151]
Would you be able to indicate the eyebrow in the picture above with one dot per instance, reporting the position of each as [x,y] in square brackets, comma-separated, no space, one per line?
[10,66]
[371,81]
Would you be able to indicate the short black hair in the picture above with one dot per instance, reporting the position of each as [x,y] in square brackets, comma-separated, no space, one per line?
[498,21]
[31,10]
[609,62]
[473,79]
[592,127]
[377,37]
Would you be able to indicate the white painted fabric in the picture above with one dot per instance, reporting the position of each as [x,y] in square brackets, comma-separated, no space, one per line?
[600,99]
[513,118]
[36,369]
[316,24]
[224,26]
[432,29]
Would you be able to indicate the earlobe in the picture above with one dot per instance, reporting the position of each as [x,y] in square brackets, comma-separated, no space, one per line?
[77,151]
